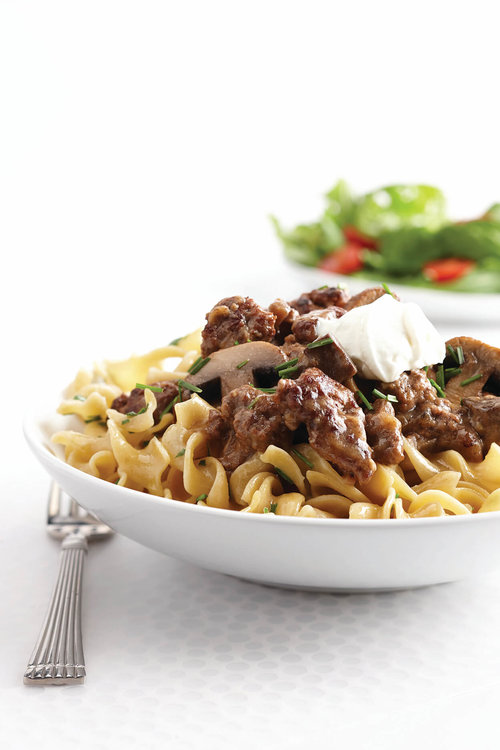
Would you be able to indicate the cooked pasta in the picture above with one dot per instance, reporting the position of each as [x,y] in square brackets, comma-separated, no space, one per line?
[172,455]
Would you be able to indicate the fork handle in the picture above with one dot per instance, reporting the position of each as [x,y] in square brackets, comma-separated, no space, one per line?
[57,658]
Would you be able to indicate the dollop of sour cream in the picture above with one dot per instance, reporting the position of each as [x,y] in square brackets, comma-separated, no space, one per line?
[385,338]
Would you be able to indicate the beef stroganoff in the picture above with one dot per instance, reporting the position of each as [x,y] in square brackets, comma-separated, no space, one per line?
[329,406]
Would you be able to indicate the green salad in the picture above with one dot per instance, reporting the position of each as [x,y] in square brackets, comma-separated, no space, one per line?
[400,233]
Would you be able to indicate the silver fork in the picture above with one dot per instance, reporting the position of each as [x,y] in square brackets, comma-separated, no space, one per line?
[57,658]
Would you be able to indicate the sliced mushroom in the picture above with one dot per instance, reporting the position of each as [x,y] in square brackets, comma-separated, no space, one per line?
[253,363]
[481,363]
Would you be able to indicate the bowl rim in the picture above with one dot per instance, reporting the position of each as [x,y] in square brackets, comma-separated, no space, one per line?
[33,431]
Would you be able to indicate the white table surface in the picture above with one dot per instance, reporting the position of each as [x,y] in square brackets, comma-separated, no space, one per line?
[142,147]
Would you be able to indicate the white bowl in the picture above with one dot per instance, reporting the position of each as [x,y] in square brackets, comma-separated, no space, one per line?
[321,554]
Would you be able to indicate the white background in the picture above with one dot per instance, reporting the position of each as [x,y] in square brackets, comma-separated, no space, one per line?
[142,147]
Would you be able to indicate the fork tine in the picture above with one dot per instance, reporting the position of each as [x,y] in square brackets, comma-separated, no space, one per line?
[54,507]
[74,509]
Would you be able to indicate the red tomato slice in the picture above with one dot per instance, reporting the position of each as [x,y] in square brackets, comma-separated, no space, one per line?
[354,235]
[346,259]
[448,269]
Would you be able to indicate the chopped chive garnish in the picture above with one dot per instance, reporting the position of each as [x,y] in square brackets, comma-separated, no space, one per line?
[426,369]
[287,364]
[440,377]
[266,390]
[252,403]
[136,413]
[386,396]
[169,406]
[266,510]
[176,341]
[124,421]
[181,453]
[189,386]
[242,364]
[117,480]
[154,388]
[283,475]
[364,400]
[201,497]
[236,343]
[450,372]
[457,354]
[472,379]
[320,288]
[387,290]
[198,364]
[288,371]
[79,398]
[273,507]
[438,388]
[321,342]
[202,462]
[95,418]
[302,458]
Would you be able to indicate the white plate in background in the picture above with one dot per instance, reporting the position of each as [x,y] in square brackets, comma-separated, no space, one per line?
[438,305]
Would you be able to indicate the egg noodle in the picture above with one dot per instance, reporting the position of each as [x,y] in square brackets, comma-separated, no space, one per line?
[172,459]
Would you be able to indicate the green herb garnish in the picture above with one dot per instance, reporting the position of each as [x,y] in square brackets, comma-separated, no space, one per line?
[189,386]
[266,390]
[198,364]
[287,364]
[457,354]
[472,379]
[124,421]
[181,453]
[386,396]
[95,418]
[145,443]
[387,290]
[242,364]
[136,413]
[176,341]
[438,388]
[364,400]
[201,497]
[283,475]
[252,403]
[288,371]
[440,377]
[450,372]
[169,406]
[320,342]
[236,343]
[302,458]
[273,507]
[154,388]
[79,398]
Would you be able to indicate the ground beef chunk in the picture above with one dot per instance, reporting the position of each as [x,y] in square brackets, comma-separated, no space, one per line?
[320,298]
[431,421]
[136,401]
[383,433]
[331,358]
[366,297]
[304,326]
[285,316]
[236,319]
[334,421]
[483,414]
[253,422]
